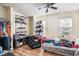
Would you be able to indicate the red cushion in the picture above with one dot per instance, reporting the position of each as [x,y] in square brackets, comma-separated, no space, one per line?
[43,39]
[36,38]
[75,46]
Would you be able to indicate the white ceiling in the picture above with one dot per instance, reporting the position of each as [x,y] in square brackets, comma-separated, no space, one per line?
[30,9]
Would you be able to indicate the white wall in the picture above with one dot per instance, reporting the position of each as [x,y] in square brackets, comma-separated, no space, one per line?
[4,12]
[52,23]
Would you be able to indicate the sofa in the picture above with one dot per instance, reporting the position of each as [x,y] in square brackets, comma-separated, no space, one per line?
[66,49]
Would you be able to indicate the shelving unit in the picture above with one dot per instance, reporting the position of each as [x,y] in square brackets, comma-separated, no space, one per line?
[20,31]
[39,28]
[20,25]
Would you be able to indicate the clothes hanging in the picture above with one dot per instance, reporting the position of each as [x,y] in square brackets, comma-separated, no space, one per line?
[8,29]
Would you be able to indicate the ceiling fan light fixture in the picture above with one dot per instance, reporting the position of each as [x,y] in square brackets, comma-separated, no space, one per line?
[49,5]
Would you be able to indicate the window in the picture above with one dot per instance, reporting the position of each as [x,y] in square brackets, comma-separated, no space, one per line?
[66,25]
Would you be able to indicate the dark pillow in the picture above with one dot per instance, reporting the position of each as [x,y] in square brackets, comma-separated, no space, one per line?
[63,42]
[56,43]
[68,44]
[48,41]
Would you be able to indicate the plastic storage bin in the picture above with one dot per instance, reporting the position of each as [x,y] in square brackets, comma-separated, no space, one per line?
[1,50]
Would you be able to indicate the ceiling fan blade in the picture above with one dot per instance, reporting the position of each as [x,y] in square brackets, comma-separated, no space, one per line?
[52,3]
[46,10]
[39,8]
[54,8]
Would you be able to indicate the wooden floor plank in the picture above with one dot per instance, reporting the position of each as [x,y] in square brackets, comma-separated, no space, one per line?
[25,50]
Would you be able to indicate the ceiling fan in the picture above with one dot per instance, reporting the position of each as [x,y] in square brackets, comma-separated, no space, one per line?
[49,5]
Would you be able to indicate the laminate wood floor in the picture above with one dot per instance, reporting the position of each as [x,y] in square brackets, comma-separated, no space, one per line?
[25,50]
